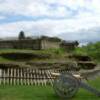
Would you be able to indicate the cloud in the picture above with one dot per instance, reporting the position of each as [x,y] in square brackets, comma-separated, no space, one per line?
[50,17]
[49,27]
[83,36]
[60,8]
[31,8]
[2,17]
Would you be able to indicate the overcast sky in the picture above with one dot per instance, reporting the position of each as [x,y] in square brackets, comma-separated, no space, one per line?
[70,19]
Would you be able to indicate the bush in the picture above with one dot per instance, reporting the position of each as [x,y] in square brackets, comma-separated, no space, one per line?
[92,49]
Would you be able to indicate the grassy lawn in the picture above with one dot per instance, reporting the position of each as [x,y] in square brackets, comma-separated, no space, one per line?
[27,93]
[42,93]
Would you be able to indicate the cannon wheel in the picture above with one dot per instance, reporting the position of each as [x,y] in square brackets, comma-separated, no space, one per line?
[66,85]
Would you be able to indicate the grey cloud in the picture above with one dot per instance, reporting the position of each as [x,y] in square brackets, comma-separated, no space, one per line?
[83,36]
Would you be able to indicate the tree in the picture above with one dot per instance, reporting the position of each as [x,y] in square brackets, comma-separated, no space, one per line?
[21,35]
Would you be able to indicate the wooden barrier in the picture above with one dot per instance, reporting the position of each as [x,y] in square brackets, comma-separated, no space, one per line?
[26,76]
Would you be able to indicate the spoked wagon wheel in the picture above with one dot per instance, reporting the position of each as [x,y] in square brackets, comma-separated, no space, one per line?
[66,85]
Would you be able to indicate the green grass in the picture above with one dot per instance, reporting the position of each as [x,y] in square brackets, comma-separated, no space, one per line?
[42,93]
[85,95]
[27,93]
[56,54]
[52,50]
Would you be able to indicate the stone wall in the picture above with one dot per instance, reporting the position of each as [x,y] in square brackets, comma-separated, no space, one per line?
[35,44]
[27,44]
[6,44]
[21,44]
[46,44]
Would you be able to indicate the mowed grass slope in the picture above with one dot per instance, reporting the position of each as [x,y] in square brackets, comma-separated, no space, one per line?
[51,54]
[43,93]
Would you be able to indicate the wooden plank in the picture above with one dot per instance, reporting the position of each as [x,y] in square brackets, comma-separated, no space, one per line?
[11,76]
[8,76]
[35,77]
[14,75]
[28,76]
[3,77]
[45,78]
[48,77]
[51,80]
[21,76]
[0,75]
[41,76]
[25,76]
[23,73]
[18,80]
[38,77]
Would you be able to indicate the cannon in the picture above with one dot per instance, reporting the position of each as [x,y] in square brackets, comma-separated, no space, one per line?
[66,85]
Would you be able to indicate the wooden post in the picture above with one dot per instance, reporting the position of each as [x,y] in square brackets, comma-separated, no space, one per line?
[35,77]
[51,80]
[0,76]
[21,76]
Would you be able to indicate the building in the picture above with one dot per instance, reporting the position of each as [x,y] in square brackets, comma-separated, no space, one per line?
[69,45]
[43,42]
[39,43]
[50,42]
